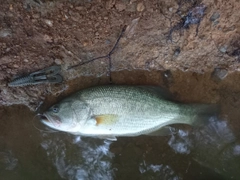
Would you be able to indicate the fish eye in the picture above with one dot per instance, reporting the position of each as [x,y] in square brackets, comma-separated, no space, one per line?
[55,109]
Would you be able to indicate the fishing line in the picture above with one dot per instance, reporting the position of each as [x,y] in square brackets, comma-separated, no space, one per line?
[101,57]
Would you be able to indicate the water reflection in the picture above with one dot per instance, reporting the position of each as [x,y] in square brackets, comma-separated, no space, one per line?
[7,161]
[213,146]
[180,142]
[77,158]
[161,171]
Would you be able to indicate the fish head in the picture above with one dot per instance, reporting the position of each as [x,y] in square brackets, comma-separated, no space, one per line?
[66,116]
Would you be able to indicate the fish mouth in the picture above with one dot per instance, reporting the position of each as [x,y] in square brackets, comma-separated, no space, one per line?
[50,119]
[44,118]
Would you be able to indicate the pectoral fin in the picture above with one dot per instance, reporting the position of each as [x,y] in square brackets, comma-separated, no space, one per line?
[106,119]
[164,131]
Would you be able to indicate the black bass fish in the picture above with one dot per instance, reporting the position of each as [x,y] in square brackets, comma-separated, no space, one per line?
[114,110]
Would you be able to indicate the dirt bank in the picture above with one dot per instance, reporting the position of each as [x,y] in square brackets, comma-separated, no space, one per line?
[161,35]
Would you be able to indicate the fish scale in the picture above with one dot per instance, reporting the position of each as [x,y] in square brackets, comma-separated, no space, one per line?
[109,111]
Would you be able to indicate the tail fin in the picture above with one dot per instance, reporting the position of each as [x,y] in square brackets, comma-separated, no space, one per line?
[199,114]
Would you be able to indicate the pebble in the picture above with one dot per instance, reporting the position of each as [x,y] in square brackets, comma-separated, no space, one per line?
[177,51]
[214,16]
[49,22]
[168,77]
[10,7]
[16,66]
[47,38]
[223,49]
[36,16]
[140,7]
[5,32]
[58,61]
[97,24]
[219,74]
[132,7]
[120,6]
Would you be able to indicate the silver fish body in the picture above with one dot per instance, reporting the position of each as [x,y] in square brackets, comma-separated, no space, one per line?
[110,111]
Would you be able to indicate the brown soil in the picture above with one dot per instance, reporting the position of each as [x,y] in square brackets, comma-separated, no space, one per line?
[35,34]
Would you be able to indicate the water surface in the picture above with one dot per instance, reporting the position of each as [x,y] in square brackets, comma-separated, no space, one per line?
[29,150]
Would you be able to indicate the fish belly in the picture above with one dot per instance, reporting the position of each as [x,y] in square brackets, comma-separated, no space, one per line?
[130,126]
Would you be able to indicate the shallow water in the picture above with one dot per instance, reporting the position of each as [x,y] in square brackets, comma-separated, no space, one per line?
[209,152]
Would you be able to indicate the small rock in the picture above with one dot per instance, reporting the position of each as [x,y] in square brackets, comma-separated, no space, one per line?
[58,61]
[215,22]
[97,24]
[110,4]
[120,7]
[5,32]
[170,9]
[130,30]
[132,1]
[85,43]
[3,45]
[49,22]
[140,7]
[219,74]
[47,38]
[177,51]
[79,8]
[132,7]
[15,65]
[11,7]
[215,16]
[155,54]
[150,64]
[168,77]
[5,60]
[36,16]
[223,49]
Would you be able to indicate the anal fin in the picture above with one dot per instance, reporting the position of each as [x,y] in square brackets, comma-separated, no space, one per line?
[108,137]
